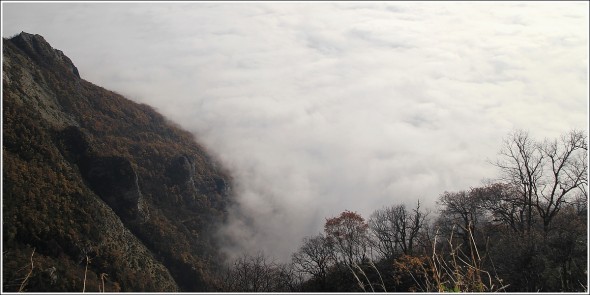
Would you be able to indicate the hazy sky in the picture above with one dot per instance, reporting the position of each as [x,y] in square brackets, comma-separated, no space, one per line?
[321,107]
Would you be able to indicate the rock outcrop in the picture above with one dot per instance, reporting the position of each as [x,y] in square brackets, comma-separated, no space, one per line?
[35,47]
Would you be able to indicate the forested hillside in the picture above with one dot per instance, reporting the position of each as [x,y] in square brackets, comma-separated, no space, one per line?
[99,192]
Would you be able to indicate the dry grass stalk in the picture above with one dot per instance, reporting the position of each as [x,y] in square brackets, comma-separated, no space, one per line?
[454,272]
[85,272]
[26,279]
[379,273]
[463,272]
[361,284]
[102,276]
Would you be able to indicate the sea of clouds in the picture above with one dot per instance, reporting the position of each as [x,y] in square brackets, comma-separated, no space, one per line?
[316,108]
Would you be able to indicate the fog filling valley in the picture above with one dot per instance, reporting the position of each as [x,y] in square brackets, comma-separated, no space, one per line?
[316,108]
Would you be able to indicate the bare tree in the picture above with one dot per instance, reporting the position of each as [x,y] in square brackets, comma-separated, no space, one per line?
[503,203]
[521,165]
[460,213]
[314,257]
[257,274]
[547,173]
[382,226]
[396,229]
[567,165]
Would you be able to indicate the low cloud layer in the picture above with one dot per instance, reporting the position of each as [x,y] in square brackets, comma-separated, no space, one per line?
[321,107]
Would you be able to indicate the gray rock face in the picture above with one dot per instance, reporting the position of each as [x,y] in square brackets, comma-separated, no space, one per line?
[181,172]
[194,189]
[73,143]
[37,48]
[34,89]
[112,178]
[115,181]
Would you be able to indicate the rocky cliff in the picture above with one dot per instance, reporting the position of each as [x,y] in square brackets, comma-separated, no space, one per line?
[93,180]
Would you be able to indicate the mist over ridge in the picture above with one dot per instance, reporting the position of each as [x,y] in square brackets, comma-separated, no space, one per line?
[319,108]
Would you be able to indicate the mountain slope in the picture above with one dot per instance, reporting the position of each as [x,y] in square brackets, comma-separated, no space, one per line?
[89,173]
